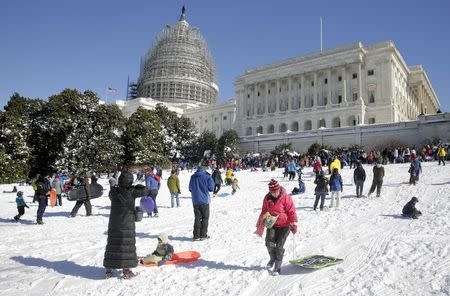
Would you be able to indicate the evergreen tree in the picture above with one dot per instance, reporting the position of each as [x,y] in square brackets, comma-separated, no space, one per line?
[178,132]
[228,146]
[14,151]
[207,142]
[143,140]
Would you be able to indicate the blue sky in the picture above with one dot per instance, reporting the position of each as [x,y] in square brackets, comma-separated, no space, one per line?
[49,45]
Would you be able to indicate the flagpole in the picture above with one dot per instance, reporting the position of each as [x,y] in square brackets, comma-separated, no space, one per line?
[321,34]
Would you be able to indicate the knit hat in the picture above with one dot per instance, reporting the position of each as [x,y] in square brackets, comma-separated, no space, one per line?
[274,185]
[19,193]
[163,238]
[414,199]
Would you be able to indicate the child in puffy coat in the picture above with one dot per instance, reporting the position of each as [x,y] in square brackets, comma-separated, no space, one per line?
[409,210]
[163,252]
[321,190]
[336,187]
[21,205]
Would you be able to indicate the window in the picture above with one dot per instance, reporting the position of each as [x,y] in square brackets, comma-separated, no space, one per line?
[340,78]
[248,96]
[312,83]
[326,80]
[224,118]
[355,96]
[371,96]
[354,75]
[372,120]
[280,89]
[215,119]
[299,85]
[339,99]
[258,94]
[325,100]
[268,91]
[370,72]
[206,120]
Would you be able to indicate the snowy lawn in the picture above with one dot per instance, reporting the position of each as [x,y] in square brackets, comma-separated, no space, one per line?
[384,253]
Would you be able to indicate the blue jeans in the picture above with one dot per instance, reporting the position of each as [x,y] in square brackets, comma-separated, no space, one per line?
[41,208]
[174,196]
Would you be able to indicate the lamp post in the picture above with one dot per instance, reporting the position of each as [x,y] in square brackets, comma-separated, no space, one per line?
[286,138]
[257,137]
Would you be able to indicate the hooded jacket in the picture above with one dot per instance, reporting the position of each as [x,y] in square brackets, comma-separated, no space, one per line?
[283,207]
[200,184]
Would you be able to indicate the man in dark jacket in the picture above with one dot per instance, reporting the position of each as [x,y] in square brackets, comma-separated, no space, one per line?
[359,177]
[86,201]
[217,177]
[42,192]
[378,175]
[409,210]
[200,184]
[121,247]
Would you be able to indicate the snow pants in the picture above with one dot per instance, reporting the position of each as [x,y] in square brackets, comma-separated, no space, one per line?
[376,184]
[87,206]
[21,210]
[174,197]
[275,239]
[201,213]
[153,193]
[216,188]
[59,199]
[41,208]
[441,158]
[320,196]
[359,187]
[335,194]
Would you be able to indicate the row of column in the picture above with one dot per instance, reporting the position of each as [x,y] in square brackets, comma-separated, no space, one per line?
[254,94]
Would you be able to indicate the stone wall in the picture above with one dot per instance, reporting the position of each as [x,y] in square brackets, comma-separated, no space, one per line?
[368,136]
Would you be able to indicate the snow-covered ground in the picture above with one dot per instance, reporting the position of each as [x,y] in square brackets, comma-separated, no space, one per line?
[384,254]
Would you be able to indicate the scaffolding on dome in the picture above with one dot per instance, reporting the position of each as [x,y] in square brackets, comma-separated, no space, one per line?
[178,68]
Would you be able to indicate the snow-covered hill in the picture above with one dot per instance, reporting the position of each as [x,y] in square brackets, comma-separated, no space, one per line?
[384,254]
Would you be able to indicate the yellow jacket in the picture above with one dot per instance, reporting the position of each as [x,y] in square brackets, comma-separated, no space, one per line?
[442,152]
[335,164]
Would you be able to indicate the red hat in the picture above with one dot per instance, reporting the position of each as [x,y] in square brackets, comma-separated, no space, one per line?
[274,185]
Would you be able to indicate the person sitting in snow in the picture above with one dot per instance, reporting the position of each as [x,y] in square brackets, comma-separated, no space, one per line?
[409,210]
[21,205]
[163,252]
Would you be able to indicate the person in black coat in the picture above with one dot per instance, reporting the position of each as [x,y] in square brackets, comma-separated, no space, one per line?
[217,177]
[409,210]
[121,247]
[86,201]
[359,176]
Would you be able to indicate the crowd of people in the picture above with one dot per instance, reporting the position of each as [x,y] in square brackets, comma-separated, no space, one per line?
[278,215]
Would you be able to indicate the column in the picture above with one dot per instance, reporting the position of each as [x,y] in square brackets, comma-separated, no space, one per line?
[360,88]
[255,100]
[289,93]
[315,90]
[245,102]
[277,97]
[302,91]
[329,87]
[266,98]
[344,85]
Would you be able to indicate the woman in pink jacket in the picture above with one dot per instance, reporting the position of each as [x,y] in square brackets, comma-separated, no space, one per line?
[277,203]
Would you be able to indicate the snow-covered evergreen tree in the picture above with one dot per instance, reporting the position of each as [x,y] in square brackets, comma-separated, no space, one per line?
[228,145]
[143,140]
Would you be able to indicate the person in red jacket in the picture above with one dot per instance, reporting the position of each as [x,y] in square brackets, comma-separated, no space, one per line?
[278,203]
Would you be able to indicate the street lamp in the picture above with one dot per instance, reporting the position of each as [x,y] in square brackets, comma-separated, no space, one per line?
[257,137]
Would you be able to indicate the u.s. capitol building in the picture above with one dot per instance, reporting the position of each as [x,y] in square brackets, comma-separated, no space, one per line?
[299,98]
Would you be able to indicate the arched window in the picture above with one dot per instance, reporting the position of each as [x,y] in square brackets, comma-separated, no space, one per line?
[351,121]
[283,128]
[294,126]
[336,122]
[322,123]
[249,131]
[270,129]
[259,130]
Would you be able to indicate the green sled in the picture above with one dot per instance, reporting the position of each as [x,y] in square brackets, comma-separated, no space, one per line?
[316,261]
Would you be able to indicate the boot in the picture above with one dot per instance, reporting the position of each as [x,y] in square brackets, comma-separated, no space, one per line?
[109,273]
[271,262]
[128,274]
[277,268]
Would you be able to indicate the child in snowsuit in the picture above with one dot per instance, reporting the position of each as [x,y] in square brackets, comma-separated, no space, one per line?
[21,205]
[409,210]
[412,174]
[163,252]
[321,190]
[336,187]
[235,186]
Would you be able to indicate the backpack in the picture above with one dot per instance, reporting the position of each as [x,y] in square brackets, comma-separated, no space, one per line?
[42,188]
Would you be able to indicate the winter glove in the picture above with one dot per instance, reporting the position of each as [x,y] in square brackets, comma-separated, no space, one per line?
[293,228]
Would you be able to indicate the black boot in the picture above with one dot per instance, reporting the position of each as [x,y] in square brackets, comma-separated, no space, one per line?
[277,268]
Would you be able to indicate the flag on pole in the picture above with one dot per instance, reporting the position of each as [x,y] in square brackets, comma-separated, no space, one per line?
[112,90]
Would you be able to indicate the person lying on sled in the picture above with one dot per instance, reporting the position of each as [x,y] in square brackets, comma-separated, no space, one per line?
[163,252]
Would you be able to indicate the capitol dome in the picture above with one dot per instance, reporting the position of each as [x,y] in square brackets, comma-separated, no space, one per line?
[179,67]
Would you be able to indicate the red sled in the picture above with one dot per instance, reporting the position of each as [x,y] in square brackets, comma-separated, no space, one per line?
[182,257]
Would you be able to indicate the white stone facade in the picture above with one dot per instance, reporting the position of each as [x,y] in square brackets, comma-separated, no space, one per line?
[344,86]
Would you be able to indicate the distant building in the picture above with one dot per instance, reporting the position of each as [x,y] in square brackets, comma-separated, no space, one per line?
[341,87]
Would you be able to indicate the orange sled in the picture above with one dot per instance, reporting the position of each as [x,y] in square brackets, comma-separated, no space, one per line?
[182,257]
